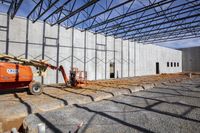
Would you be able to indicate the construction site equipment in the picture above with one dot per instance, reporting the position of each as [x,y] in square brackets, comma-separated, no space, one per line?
[77,78]
[16,72]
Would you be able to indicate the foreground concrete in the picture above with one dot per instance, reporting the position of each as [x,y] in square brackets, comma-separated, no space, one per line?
[15,106]
[170,107]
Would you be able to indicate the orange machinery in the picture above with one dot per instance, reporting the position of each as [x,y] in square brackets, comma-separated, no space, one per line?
[16,73]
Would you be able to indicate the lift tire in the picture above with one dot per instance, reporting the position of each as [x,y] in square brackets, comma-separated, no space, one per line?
[35,88]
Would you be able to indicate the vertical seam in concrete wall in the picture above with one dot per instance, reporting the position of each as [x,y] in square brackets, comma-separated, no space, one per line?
[105,56]
[7,34]
[85,33]
[27,31]
[128,59]
[122,58]
[72,54]
[43,45]
[58,51]
[95,56]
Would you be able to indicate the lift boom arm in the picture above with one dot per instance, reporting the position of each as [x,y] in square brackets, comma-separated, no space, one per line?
[41,65]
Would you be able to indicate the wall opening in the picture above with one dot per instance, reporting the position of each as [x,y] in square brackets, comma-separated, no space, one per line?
[112,70]
[157,68]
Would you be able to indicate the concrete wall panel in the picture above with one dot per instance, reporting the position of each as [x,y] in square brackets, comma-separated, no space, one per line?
[14,49]
[35,32]
[65,37]
[125,59]
[118,58]
[65,61]
[78,38]
[100,64]
[3,19]
[3,22]
[90,64]
[90,40]
[2,47]
[132,59]
[3,36]
[141,59]
[50,57]
[79,58]
[35,52]
[190,59]
[17,30]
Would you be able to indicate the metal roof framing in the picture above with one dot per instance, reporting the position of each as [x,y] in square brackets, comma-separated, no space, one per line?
[13,6]
[145,21]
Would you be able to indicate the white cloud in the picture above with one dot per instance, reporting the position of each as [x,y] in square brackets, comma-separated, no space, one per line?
[182,43]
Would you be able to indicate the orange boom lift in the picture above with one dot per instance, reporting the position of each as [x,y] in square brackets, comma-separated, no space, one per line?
[16,73]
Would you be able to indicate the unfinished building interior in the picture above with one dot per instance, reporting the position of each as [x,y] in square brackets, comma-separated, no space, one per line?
[111,40]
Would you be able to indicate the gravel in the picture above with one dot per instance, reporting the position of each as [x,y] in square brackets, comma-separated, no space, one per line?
[171,107]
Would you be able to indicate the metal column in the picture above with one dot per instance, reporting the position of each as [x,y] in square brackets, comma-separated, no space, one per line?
[7,34]
[43,45]
[85,41]
[134,58]
[121,58]
[27,31]
[105,57]
[114,59]
[72,54]
[58,52]
[95,56]
[128,58]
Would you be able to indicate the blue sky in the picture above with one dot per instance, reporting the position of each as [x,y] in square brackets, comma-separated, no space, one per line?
[182,43]
[28,5]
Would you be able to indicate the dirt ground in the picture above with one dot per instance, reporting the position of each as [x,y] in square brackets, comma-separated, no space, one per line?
[17,104]
[169,107]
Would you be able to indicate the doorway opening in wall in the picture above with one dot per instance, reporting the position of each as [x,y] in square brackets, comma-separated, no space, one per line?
[112,70]
[157,68]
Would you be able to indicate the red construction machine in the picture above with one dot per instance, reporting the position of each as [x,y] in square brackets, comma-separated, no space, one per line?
[16,73]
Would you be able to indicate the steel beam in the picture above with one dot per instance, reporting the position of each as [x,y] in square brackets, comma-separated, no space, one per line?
[165,33]
[163,30]
[154,5]
[60,20]
[147,19]
[158,24]
[15,6]
[103,12]
[39,10]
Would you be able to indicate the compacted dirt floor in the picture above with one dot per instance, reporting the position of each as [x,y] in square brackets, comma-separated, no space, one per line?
[15,105]
[171,107]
